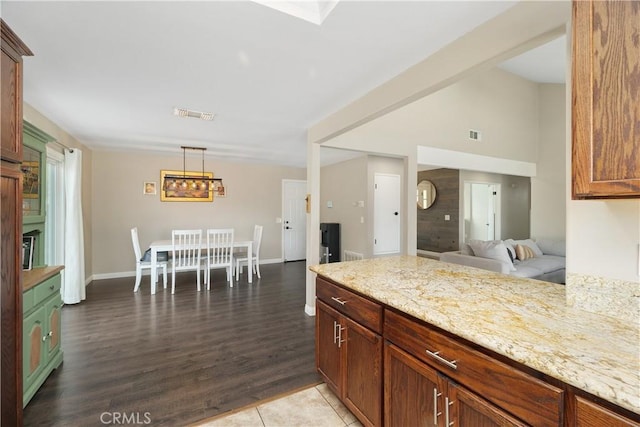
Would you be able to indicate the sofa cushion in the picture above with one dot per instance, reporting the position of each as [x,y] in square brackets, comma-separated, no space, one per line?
[466,250]
[524,252]
[545,263]
[552,247]
[530,243]
[493,249]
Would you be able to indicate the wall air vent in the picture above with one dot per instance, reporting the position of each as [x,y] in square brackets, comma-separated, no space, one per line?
[475,135]
[183,112]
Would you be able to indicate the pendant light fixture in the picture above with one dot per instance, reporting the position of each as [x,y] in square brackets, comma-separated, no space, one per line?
[191,181]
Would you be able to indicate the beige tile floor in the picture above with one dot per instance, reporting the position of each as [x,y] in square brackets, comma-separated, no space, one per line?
[312,407]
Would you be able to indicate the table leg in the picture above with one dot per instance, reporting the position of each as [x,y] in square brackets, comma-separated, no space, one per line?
[250,262]
[154,270]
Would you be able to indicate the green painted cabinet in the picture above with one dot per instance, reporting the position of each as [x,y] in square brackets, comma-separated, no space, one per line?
[41,334]
[33,190]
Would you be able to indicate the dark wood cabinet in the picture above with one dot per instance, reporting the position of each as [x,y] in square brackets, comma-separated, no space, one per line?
[605,93]
[590,414]
[418,395]
[511,390]
[13,49]
[478,389]
[348,354]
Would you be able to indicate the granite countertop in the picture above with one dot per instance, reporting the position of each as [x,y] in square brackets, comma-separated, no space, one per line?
[525,320]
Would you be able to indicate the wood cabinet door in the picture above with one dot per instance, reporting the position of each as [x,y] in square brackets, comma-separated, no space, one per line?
[468,409]
[53,323]
[589,414]
[362,392]
[605,93]
[11,295]
[328,354]
[413,392]
[34,346]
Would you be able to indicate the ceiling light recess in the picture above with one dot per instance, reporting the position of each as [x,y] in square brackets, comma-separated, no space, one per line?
[184,112]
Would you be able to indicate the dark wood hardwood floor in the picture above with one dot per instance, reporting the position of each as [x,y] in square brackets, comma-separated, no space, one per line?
[177,359]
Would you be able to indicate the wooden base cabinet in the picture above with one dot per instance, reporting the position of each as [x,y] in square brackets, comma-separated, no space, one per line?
[418,395]
[41,353]
[349,357]
[590,414]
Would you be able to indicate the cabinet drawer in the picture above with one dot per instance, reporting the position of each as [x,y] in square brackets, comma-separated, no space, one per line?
[521,394]
[47,288]
[360,309]
[27,300]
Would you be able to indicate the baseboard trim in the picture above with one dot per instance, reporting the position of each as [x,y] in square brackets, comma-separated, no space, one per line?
[309,310]
[121,274]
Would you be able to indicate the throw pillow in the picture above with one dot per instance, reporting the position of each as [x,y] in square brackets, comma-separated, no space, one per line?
[531,244]
[524,252]
[493,249]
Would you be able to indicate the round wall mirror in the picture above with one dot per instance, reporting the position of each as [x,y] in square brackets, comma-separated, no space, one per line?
[425,194]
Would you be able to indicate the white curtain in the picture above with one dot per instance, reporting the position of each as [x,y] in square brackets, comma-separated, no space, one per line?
[73,290]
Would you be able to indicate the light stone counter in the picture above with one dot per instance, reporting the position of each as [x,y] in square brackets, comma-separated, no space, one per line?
[526,320]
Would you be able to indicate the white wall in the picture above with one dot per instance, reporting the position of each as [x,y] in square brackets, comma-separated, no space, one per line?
[253,197]
[347,183]
[504,107]
[549,186]
[344,184]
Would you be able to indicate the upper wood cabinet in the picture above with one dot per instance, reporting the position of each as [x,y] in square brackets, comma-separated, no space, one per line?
[11,226]
[13,49]
[606,99]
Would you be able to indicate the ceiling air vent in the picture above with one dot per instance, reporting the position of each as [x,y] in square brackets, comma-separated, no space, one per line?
[475,135]
[183,112]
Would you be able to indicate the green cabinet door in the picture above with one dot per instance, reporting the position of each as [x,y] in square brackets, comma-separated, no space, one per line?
[33,354]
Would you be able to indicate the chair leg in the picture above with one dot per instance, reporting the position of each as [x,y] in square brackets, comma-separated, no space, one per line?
[237,270]
[173,281]
[198,275]
[230,276]
[208,278]
[164,275]
[256,265]
[138,279]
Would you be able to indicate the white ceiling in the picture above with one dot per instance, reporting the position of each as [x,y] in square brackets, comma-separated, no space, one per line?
[110,73]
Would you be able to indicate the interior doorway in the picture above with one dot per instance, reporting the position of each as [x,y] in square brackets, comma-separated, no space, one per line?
[386,215]
[294,220]
[481,211]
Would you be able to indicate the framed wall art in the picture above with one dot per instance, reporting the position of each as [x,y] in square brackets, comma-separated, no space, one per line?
[149,188]
[185,186]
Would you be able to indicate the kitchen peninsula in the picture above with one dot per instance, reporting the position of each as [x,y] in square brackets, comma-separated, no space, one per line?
[511,343]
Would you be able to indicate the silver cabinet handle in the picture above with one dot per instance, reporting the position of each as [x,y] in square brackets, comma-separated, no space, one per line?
[340,340]
[335,333]
[436,414]
[447,421]
[338,300]
[449,363]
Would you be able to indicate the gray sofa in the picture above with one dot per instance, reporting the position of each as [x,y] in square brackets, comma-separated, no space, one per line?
[548,262]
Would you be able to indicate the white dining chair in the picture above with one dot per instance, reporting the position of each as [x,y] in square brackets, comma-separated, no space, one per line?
[255,256]
[143,263]
[219,253]
[186,253]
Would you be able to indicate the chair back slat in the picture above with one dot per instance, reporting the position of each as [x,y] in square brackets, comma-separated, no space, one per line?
[220,246]
[136,243]
[186,248]
[257,240]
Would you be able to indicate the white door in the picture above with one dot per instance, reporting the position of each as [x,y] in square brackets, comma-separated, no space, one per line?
[386,214]
[481,212]
[294,219]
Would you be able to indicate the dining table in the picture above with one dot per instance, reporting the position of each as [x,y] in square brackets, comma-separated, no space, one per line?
[167,246]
